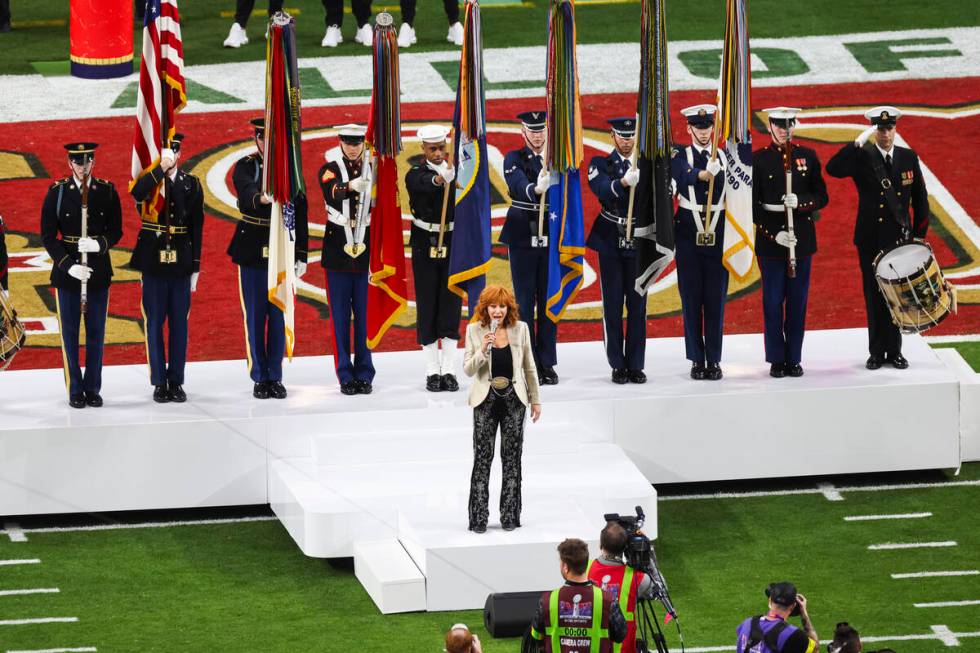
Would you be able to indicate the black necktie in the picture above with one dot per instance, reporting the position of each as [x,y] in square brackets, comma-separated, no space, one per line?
[888,161]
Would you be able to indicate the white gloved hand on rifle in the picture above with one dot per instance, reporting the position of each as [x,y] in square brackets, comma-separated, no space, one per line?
[785,239]
[791,201]
[300,268]
[714,167]
[631,177]
[543,183]
[88,245]
[447,172]
[359,185]
[194,278]
[865,135]
[80,272]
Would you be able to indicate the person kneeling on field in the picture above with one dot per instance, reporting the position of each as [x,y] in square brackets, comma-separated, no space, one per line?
[771,632]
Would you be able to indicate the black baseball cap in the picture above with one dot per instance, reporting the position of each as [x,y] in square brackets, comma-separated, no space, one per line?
[783,593]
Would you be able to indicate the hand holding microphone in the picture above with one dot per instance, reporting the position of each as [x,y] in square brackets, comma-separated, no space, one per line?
[490,337]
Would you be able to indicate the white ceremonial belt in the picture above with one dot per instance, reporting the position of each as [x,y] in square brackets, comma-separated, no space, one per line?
[775,208]
[685,203]
[336,218]
[431,227]
[612,217]
[527,206]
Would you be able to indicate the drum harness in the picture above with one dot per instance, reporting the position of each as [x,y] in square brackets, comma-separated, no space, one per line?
[894,206]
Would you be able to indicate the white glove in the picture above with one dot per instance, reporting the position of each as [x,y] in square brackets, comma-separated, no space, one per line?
[359,185]
[673,187]
[544,182]
[865,135]
[266,198]
[714,167]
[784,239]
[300,268]
[80,272]
[5,293]
[88,245]
[631,177]
[194,276]
[167,158]
[447,172]
[791,201]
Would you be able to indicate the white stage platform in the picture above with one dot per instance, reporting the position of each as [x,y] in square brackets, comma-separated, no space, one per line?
[374,475]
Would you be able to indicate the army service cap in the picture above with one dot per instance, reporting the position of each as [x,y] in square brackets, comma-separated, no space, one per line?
[81,153]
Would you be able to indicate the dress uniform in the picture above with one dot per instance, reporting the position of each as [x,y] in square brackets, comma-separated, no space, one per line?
[170,265]
[265,328]
[346,247]
[610,178]
[890,186]
[784,297]
[527,183]
[702,278]
[62,214]
[437,308]
[3,259]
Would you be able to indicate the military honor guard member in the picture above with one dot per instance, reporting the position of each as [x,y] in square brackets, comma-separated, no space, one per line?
[785,251]
[168,254]
[81,220]
[4,287]
[611,177]
[893,207]
[527,240]
[346,180]
[432,195]
[265,328]
[702,278]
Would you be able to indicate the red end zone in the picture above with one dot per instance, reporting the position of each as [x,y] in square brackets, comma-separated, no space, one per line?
[943,115]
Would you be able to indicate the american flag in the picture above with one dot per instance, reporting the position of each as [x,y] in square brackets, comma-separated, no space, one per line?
[162,93]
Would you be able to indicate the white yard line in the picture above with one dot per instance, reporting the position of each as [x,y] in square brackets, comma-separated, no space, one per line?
[906,515]
[936,340]
[39,620]
[888,546]
[829,492]
[167,524]
[939,633]
[945,635]
[39,590]
[936,574]
[24,561]
[14,532]
[782,493]
[946,604]
[80,649]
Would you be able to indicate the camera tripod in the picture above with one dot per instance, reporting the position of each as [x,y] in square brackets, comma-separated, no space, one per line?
[648,627]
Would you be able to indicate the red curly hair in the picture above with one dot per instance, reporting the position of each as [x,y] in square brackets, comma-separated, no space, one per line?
[501,296]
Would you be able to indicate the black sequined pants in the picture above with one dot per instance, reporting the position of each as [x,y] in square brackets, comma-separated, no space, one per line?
[507,413]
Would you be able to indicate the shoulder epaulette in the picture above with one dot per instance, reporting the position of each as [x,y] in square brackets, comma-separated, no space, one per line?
[60,182]
[102,181]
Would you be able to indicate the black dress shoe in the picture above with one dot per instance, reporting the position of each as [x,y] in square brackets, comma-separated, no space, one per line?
[349,388]
[875,362]
[93,399]
[619,377]
[508,527]
[76,401]
[479,528]
[697,371]
[636,376]
[795,370]
[549,376]
[712,371]
[898,361]
[777,370]
[261,390]
[160,394]
[276,390]
[177,394]
[363,387]
[433,383]
[449,383]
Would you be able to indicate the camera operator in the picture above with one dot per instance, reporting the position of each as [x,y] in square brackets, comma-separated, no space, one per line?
[771,632]
[579,614]
[611,573]
[459,639]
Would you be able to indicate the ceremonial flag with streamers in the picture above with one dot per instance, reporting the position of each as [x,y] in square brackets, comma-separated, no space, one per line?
[653,214]
[282,170]
[388,289]
[566,244]
[733,118]
[162,93]
[469,257]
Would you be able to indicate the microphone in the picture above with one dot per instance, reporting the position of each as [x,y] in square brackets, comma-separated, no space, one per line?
[493,330]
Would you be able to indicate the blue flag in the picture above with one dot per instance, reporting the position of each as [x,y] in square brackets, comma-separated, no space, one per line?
[469,256]
[566,244]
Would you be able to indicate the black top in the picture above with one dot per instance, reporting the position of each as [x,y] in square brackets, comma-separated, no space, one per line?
[521,169]
[501,362]
[186,199]
[425,198]
[335,192]
[3,257]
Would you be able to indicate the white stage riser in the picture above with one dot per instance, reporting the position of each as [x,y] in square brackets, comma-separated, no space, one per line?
[969,403]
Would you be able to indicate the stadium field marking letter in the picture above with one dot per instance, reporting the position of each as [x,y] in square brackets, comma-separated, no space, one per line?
[40,620]
[936,574]
[907,515]
[886,56]
[14,532]
[25,561]
[910,545]
[39,590]
[946,604]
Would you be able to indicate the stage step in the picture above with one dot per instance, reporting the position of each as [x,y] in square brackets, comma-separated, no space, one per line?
[389,576]
[969,403]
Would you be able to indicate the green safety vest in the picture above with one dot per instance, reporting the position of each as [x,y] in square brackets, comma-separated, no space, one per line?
[595,632]
[624,598]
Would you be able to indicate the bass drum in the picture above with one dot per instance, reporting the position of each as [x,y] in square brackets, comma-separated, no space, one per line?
[12,333]
[917,295]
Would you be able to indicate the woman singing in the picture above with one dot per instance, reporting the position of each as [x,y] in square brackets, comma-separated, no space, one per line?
[499,355]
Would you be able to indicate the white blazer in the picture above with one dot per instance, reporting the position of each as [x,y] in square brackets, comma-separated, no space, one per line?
[477,364]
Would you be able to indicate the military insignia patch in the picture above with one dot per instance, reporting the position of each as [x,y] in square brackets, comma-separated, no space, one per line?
[327,176]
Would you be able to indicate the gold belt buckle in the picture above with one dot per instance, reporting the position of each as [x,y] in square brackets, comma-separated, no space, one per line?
[265,252]
[355,249]
[706,238]
[168,256]
[438,252]
[500,382]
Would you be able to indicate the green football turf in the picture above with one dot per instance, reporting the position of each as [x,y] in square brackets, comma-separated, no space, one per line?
[246,586]
[970,351]
[41,27]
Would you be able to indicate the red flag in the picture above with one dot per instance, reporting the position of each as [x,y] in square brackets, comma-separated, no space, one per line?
[388,291]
